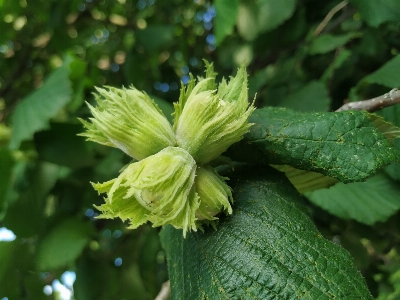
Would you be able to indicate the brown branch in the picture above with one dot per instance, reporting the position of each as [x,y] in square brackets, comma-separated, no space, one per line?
[165,291]
[371,105]
[328,17]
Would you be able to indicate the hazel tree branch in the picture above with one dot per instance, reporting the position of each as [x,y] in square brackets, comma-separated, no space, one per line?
[328,17]
[374,104]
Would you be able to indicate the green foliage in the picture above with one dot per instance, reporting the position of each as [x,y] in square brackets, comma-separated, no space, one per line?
[304,60]
[33,113]
[367,202]
[225,20]
[346,146]
[269,245]
[63,244]
[388,75]
[327,42]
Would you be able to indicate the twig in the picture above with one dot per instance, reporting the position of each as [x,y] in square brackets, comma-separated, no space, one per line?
[371,105]
[165,291]
[328,17]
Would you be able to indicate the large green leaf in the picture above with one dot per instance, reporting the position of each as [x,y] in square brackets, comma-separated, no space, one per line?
[225,19]
[268,249]
[345,145]
[377,12]
[367,202]
[34,112]
[273,13]
[327,42]
[63,244]
[387,75]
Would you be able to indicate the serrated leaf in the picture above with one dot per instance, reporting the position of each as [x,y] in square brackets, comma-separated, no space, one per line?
[33,113]
[328,42]
[311,97]
[366,202]
[343,145]
[268,249]
[272,13]
[225,19]
[63,244]
[387,75]
[377,12]
[305,181]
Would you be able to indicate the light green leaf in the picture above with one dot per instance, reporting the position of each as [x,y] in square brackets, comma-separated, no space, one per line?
[311,97]
[387,75]
[305,181]
[345,145]
[390,131]
[63,244]
[374,13]
[225,19]
[33,113]
[247,22]
[272,13]
[268,249]
[367,202]
[327,42]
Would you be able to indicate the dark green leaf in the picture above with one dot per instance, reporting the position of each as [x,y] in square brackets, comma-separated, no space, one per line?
[339,60]
[63,244]
[35,111]
[154,37]
[367,202]
[6,252]
[345,145]
[377,12]
[268,249]
[311,97]
[62,146]
[225,19]
[6,164]
[25,217]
